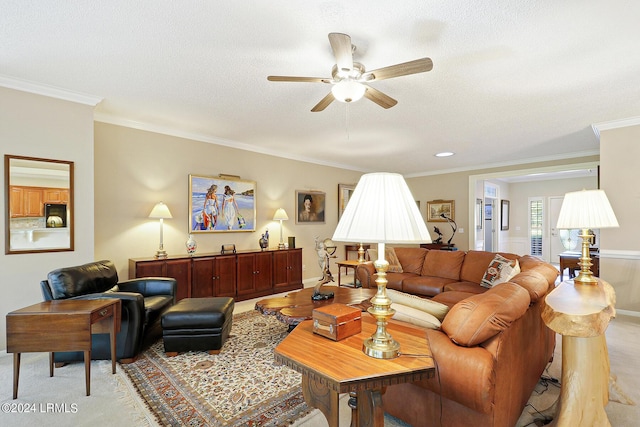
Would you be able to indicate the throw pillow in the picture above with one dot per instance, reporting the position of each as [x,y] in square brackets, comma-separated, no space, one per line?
[390,256]
[436,309]
[500,270]
[415,316]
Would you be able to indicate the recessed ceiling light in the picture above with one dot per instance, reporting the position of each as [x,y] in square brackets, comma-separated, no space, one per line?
[445,154]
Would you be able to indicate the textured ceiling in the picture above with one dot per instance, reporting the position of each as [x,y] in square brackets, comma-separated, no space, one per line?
[512,82]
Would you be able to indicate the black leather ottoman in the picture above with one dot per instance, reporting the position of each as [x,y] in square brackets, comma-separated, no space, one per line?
[195,324]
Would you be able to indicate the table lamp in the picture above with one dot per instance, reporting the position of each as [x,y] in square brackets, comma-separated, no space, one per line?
[161,211]
[381,210]
[280,215]
[584,210]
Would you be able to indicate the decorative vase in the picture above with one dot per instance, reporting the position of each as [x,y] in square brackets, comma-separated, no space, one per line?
[263,242]
[191,245]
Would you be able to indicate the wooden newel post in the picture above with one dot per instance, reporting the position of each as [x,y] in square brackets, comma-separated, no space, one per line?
[581,314]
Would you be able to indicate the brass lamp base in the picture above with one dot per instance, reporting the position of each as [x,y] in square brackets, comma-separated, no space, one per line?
[381,345]
[161,254]
[386,350]
[585,276]
[360,253]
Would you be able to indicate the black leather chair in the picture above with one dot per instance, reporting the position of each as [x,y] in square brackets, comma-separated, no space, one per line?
[144,301]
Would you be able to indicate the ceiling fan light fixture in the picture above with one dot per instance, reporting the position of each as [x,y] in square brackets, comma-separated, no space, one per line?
[348,90]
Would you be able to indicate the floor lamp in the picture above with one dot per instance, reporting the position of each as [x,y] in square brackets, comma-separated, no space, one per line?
[161,211]
[381,210]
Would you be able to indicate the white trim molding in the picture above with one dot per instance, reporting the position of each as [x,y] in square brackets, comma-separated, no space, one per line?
[614,124]
[617,254]
[50,91]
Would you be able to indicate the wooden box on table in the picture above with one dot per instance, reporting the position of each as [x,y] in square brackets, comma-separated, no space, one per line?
[337,321]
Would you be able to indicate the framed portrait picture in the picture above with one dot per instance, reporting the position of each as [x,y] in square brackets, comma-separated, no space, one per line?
[436,208]
[504,215]
[344,194]
[221,204]
[310,207]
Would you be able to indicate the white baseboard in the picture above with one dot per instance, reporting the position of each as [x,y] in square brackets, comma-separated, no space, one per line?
[628,313]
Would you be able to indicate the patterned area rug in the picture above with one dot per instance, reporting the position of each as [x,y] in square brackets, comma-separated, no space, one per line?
[241,386]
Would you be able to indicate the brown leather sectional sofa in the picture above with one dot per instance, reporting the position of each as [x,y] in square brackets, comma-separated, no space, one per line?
[492,347]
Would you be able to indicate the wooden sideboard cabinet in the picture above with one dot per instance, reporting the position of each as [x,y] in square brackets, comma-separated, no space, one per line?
[243,275]
[179,269]
[287,270]
[214,276]
[255,274]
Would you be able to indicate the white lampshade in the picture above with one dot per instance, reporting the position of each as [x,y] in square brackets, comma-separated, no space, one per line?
[382,210]
[160,210]
[280,215]
[348,90]
[586,209]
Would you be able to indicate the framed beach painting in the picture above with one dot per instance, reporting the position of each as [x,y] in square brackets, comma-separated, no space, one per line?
[310,207]
[221,204]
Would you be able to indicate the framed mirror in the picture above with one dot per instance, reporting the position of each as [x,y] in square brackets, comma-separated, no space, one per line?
[39,205]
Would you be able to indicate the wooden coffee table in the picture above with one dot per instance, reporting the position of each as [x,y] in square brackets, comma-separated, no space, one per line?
[62,325]
[297,306]
[329,368]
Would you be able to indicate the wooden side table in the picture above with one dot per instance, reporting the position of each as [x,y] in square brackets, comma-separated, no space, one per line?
[581,314]
[358,374]
[347,264]
[61,325]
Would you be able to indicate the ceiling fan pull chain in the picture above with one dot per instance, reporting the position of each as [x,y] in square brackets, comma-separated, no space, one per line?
[346,121]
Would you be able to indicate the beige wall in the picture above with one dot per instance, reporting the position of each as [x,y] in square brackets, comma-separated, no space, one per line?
[135,169]
[620,179]
[455,186]
[38,126]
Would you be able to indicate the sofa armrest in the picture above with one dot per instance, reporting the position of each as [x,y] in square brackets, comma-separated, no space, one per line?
[364,274]
[150,286]
[464,374]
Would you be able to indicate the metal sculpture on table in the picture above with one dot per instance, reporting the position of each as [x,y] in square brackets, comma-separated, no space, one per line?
[453,225]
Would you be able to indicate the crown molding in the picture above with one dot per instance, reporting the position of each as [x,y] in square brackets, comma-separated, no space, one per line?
[614,124]
[50,91]
[527,161]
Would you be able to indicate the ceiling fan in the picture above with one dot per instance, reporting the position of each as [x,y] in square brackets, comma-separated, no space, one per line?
[350,79]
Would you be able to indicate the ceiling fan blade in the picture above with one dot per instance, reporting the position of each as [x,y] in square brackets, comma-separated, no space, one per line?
[385,101]
[342,50]
[298,79]
[324,103]
[412,67]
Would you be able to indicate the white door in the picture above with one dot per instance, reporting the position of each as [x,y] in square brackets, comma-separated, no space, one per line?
[555,244]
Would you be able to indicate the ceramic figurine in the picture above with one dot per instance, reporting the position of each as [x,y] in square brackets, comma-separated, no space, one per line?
[191,245]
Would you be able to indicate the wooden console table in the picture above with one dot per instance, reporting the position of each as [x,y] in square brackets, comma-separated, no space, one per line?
[358,374]
[581,314]
[570,260]
[354,248]
[62,325]
[439,246]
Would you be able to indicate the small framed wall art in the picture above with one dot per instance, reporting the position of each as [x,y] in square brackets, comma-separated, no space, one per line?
[435,208]
[310,207]
[221,204]
[504,215]
[344,194]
